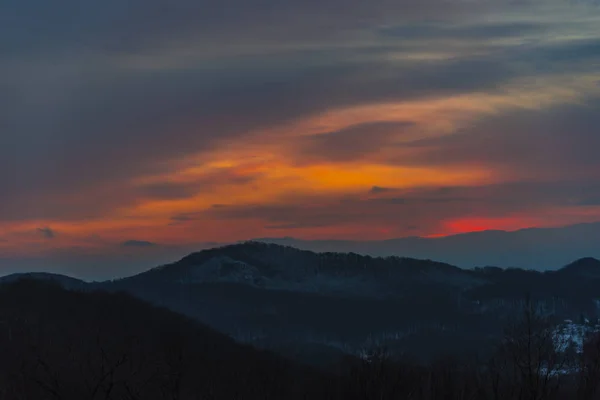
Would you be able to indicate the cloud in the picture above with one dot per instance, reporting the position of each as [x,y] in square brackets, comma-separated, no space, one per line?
[379,189]
[138,243]
[299,225]
[47,233]
[111,27]
[131,114]
[168,190]
[584,200]
[99,108]
[425,208]
[185,217]
[151,111]
[551,143]
[390,200]
[492,30]
[182,217]
[353,143]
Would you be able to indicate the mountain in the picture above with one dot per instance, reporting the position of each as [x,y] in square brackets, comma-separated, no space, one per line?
[59,344]
[588,267]
[283,298]
[298,302]
[71,345]
[65,281]
[280,297]
[284,268]
[532,248]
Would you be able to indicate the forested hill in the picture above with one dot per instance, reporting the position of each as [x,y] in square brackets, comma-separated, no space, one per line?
[320,306]
[59,344]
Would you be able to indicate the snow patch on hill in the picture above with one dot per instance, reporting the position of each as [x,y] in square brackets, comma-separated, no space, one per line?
[222,268]
[573,335]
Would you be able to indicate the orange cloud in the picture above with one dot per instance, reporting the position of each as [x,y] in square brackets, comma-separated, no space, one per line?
[265,167]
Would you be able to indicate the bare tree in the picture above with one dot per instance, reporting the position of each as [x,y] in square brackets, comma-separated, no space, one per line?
[589,370]
[528,363]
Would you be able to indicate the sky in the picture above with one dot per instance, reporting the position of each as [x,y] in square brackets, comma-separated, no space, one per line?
[132,131]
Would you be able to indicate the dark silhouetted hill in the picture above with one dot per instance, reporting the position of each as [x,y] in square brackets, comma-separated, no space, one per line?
[59,344]
[72,345]
[588,267]
[63,280]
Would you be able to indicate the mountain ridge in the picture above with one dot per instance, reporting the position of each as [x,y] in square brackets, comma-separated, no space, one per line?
[247,251]
[270,296]
[277,267]
[528,248]
[66,281]
[586,267]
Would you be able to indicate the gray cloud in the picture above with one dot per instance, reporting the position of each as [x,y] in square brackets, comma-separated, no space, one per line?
[185,217]
[554,143]
[391,200]
[130,118]
[113,27]
[298,225]
[350,144]
[69,104]
[95,95]
[47,233]
[379,189]
[168,190]
[424,208]
[572,51]
[463,31]
[584,200]
[138,243]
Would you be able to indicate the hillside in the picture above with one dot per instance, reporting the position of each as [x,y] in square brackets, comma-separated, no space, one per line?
[275,267]
[298,302]
[280,297]
[584,267]
[71,345]
[74,345]
[63,280]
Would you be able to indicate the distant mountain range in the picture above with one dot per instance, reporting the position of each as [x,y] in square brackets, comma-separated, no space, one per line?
[533,248]
[297,301]
[537,248]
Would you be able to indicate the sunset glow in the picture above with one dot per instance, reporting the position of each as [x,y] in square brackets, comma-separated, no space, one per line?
[416,120]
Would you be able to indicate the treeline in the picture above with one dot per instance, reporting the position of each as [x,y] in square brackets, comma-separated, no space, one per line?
[58,344]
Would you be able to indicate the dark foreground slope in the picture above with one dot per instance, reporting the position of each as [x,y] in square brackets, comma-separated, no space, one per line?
[58,344]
